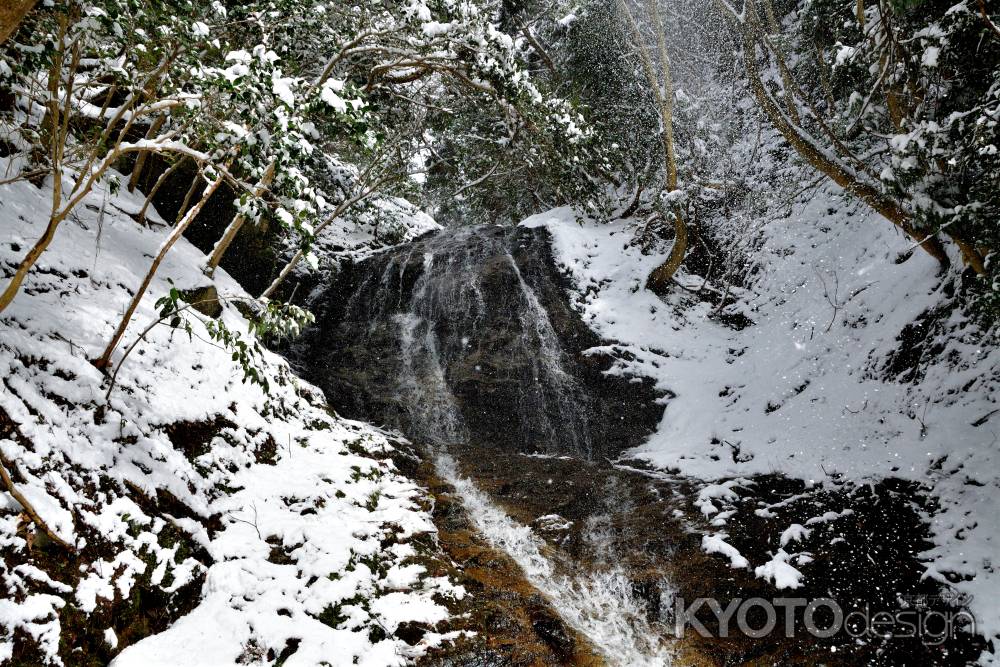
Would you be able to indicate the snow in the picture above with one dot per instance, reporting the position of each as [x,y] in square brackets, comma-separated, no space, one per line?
[803,391]
[779,572]
[329,500]
[282,88]
[384,223]
[716,544]
[723,492]
[436,28]
[827,517]
[930,57]
[794,533]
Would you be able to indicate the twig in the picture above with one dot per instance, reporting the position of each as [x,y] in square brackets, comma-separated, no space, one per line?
[835,302]
[249,523]
[142,336]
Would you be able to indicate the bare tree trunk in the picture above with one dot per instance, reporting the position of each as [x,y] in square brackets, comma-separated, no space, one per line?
[56,145]
[826,164]
[824,79]
[660,278]
[539,49]
[12,12]
[970,255]
[156,188]
[29,261]
[786,74]
[140,160]
[237,223]
[195,183]
[105,359]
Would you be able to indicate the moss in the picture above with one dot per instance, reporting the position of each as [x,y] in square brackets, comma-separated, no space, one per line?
[333,616]
[267,451]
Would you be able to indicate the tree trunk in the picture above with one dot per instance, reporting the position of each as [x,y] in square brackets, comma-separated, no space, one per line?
[105,359]
[12,12]
[786,75]
[661,276]
[824,80]
[156,188]
[52,137]
[826,164]
[970,255]
[237,223]
[29,260]
[659,280]
[140,160]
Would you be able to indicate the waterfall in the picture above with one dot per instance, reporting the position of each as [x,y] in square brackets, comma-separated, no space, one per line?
[464,338]
[460,325]
[570,401]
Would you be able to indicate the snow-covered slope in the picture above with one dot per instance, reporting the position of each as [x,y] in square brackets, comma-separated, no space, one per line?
[806,390]
[295,520]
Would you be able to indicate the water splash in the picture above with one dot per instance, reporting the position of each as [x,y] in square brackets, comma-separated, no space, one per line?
[599,603]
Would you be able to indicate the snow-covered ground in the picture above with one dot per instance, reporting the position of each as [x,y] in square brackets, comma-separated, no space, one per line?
[304,523]
[804,391]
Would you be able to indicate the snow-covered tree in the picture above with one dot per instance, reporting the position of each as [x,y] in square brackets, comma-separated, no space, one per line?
[894,101]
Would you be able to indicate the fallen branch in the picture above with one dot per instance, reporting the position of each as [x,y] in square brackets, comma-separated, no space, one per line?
[28,507]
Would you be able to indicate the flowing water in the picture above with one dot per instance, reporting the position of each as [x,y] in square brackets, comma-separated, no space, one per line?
[598,601]
[460,341]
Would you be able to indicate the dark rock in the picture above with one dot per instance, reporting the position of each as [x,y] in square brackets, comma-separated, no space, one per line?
[204,299]
[411,632]
[485,347]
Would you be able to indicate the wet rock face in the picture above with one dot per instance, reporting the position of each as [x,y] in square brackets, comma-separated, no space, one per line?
[467,336]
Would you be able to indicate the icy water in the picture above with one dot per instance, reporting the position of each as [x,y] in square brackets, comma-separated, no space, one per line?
[597,599]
